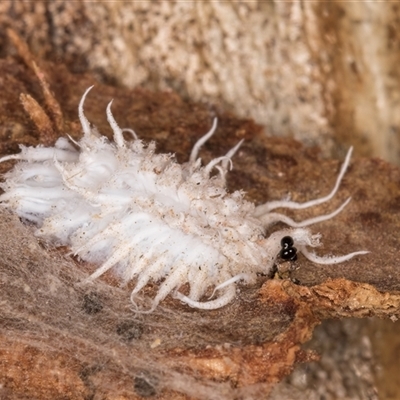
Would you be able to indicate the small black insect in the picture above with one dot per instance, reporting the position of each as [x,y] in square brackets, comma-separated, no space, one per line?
[288,252]
[287,241]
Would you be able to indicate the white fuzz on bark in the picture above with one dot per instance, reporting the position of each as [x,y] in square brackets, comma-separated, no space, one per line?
[120,205]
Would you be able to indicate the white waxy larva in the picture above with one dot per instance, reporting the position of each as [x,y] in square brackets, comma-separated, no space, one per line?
[120,205]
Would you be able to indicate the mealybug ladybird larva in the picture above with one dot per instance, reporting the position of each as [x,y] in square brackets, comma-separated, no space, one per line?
[152,219]
[288,252]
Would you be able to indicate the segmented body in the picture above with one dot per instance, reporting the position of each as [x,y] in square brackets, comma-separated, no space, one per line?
[120,205]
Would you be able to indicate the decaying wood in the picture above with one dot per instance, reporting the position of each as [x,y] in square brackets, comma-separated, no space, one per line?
[321,71]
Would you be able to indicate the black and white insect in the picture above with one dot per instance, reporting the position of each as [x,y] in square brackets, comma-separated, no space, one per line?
[288,252]
[124,207]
